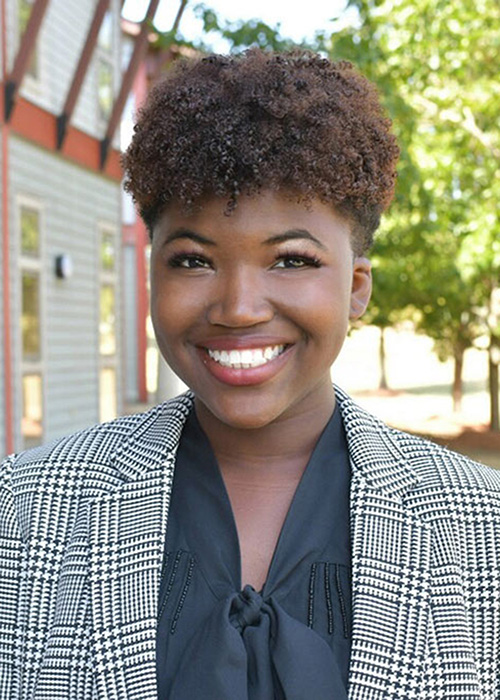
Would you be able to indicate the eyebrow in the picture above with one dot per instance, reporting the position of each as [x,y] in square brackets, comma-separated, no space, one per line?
[190,235]
[292,234]
[295,234]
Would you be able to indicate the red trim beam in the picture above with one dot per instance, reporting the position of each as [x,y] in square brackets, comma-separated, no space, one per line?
[21,62]
[38,125]
[81,70]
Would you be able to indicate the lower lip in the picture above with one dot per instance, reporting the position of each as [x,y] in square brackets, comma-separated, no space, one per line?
[248,376]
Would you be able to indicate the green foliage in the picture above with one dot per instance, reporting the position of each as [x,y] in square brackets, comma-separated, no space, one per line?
[239,35]
[244,33]
[436,65]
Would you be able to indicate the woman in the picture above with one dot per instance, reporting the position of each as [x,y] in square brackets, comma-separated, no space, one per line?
[262,536]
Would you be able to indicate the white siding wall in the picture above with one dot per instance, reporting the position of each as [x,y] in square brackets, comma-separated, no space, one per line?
[2,366]
[60,41]
[74,202]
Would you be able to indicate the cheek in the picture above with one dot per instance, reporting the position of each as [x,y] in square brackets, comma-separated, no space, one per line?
[175,308]
[166,313]
[324,309]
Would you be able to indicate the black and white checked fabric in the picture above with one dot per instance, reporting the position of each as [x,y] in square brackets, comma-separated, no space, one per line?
[82,527]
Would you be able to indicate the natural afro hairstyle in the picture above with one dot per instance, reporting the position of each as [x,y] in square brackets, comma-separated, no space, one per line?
[236,125]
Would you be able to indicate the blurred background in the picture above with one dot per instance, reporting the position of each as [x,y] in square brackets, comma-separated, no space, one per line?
[77,343]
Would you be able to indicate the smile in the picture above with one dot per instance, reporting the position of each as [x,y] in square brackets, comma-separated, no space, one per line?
[247,358]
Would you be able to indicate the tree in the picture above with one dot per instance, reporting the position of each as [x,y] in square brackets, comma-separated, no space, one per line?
[438,251]
[239,35]
[436,66]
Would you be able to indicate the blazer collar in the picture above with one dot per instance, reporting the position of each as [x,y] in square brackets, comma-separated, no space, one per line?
[374,451]
[155,437]
[372,446]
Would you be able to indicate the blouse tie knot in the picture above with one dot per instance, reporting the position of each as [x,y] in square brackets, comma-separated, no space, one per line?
[249,648]
[246,608]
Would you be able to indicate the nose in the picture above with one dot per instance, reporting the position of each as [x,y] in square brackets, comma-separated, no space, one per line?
[240,300]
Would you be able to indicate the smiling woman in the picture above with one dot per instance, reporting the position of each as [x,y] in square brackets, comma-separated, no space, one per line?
[260,537]
[271,286]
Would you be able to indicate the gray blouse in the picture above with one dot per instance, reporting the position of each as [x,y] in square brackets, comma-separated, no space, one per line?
[289,641]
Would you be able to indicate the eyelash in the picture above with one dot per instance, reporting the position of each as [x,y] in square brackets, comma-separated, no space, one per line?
[305,260]
[178,259]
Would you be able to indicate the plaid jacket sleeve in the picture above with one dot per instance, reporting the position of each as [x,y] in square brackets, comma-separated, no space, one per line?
[12,566]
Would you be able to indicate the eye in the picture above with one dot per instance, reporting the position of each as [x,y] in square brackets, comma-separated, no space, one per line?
[296,262]
[189,261]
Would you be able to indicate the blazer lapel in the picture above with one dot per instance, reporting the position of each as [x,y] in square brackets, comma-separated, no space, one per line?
[390,564]
[126,531]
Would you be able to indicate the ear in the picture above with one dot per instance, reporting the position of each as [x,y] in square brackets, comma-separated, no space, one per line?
[361,287]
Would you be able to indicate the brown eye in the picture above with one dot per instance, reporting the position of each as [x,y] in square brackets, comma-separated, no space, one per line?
[296,262]
[189,261]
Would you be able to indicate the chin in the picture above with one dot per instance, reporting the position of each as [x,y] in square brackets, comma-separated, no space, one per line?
[247,417]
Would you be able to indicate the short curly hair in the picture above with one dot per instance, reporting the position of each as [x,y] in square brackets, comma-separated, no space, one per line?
[294,122]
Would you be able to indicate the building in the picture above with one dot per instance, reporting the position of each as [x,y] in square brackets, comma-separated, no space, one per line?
[148,378]
[62,300]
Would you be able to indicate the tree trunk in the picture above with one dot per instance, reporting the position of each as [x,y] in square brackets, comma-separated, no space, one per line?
[382,357]
[458,386]
[493,362]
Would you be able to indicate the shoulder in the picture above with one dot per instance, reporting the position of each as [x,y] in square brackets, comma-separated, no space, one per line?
[89,458]
[46,489]
[399,457]
[93,444]
[437,465]
[452,491]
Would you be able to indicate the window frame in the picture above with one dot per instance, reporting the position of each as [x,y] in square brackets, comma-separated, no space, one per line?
[30,263]
[105,55]
[32,83]
[108,277]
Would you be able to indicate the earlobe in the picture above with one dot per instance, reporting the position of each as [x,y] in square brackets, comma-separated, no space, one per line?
[361,287]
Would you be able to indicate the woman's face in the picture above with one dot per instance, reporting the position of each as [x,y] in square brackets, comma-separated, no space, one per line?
[252,309]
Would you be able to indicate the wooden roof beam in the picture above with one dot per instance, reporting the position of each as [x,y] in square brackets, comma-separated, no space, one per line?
[140,48]
[76,84]
[165,56]
[179,14]
[22,59]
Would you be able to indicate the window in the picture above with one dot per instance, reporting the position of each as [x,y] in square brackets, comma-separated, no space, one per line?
[107,326]
[30,231]
[104,68]
[31,324]
[105,38]
[107,334]
[30,315]
[24,8]
[104,88]
[31,425]
[107,394]
[108,251]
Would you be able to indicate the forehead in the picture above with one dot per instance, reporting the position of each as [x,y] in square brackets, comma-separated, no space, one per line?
[264,214]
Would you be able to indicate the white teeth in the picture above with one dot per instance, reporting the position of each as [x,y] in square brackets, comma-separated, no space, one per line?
[246,357]
[234,359]
[238,359]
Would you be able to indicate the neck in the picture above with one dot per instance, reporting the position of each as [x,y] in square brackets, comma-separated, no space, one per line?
[282,448]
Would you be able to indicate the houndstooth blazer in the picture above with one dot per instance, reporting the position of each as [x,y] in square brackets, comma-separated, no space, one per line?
[82,531]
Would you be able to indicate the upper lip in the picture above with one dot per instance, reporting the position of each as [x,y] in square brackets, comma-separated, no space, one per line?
[241,342]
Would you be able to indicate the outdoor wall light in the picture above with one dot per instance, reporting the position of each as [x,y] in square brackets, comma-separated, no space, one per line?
[64,266]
